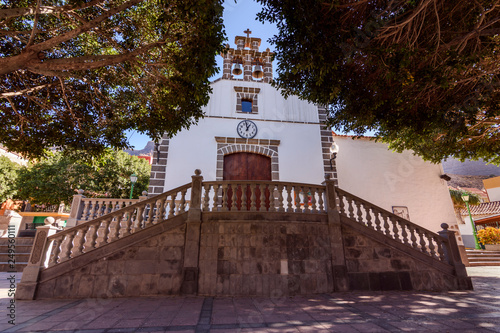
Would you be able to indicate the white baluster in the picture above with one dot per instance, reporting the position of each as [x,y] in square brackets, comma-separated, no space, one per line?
[171,213]
[66,246]
[297,199]
[378,227]
[368,217]
[182,206]
[262,198]
[253,199]
[79,241]
[314,191]
[54,256]
[216,198]
[224,198]
[244,198]
[234,198]
[321,206]
[206,198]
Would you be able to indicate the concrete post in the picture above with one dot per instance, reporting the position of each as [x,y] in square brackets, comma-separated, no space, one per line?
[192,242]
[27,287]
[340,279]
[76,209]
[452,253]
[144,196]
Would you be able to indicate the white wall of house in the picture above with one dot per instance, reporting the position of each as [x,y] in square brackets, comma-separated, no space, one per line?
[369,170]
[466,232]
[494,194]
[291,121]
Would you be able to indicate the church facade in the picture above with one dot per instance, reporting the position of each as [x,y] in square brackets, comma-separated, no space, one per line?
[274,211]
[251,132]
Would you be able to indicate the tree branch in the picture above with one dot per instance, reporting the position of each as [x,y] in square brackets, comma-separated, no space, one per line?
[44,10]
[25,91]
[35,23]
[90,62]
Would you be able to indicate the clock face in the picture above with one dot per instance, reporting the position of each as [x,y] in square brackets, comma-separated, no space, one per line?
[247,129]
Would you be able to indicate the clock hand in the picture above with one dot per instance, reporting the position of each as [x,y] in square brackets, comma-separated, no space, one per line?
[248,124]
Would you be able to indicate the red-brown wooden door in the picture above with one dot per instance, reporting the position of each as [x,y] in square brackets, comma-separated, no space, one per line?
[247,166]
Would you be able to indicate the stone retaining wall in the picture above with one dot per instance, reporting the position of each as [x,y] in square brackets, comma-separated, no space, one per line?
[152,267]
[264,258]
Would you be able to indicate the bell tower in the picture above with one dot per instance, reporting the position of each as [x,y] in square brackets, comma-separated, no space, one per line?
[246,62]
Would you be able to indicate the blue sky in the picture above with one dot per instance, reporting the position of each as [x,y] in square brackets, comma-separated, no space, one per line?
[238,16]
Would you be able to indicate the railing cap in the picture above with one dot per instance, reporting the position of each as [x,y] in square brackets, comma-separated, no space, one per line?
[197,172]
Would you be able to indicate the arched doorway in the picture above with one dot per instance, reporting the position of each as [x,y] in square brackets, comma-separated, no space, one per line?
[247,166]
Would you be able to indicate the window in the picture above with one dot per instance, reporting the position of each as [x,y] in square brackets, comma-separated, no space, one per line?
[246,105]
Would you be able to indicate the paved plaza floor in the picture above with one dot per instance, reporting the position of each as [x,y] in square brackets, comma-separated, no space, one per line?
[467,311]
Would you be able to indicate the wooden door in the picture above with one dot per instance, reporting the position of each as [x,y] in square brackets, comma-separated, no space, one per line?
[247,166]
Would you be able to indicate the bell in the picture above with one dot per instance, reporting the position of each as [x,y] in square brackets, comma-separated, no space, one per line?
[237,69]
[258,73]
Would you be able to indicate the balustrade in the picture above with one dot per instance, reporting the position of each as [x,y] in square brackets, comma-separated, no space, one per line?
[112,219]
[113,223]
[391,225]
[262,196]
[96,207]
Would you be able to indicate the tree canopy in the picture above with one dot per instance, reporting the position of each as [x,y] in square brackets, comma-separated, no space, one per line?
[56,179]
[421,75]
[78,73]
[8,177]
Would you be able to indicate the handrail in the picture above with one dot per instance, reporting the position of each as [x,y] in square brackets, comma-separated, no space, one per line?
[263,196]
[93,208]
[90,235]
[392,225]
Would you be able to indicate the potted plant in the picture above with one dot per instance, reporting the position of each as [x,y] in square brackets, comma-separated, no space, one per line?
[490,237]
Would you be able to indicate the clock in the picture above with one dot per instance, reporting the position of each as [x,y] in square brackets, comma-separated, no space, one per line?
[247,129]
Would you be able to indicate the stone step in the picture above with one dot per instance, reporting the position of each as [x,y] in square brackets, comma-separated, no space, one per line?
[17,241]
[481,251]
[18,257]
[485,263]
[17,248]
[18,267]
[484,259]
[483,256]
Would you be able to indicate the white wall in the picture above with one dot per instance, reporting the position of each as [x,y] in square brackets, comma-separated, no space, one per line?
[369,170]
[494,194]
[466,232]
[272,106]
[300,156]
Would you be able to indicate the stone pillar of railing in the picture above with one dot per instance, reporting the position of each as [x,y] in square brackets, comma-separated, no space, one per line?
[27,287]
[76,209]
[340,279]
[192,242]
[144,196]
[452,252]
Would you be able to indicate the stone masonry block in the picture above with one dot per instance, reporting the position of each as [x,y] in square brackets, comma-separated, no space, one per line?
[85,286]
[133,286]
[117,285]
[46,289]
[100,289]
[99,267]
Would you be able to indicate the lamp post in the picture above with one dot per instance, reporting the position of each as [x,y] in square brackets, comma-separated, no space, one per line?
[334,149]
[465,198]
[133,180]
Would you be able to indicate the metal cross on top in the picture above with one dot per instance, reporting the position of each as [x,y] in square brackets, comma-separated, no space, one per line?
[248,32]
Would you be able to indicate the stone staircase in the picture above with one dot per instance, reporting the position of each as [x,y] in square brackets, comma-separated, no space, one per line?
[483,257]
[17,259]
[216,238]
